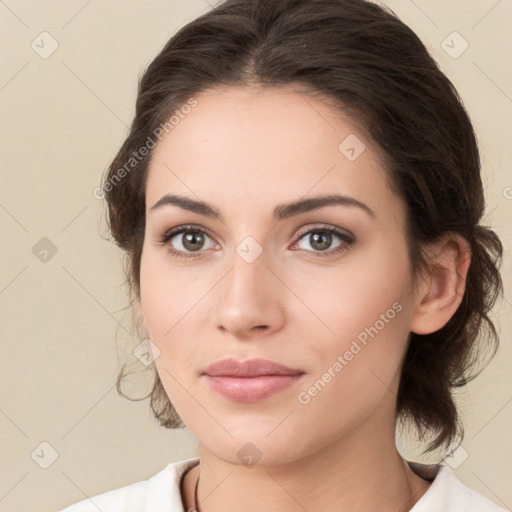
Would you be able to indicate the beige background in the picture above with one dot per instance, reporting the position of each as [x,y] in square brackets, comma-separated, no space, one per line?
[63,119]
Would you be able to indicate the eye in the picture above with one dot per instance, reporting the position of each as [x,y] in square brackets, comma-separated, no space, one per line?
[184,241]
[321,239]
[193,240]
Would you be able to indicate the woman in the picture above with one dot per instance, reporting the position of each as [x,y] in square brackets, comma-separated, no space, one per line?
[299,199]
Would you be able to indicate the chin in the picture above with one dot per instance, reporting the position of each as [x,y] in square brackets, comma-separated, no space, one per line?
[256,448]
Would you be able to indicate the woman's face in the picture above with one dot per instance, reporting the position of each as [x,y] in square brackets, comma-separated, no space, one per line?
[335,307]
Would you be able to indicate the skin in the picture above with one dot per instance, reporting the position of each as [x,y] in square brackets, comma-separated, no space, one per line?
[244,151]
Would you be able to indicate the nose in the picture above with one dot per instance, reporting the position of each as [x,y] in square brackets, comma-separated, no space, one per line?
[250,299]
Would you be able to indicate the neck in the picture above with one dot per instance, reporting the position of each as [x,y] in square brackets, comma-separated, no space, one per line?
[359,473]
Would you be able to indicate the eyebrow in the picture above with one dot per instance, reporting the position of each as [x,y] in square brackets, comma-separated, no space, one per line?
[281,212]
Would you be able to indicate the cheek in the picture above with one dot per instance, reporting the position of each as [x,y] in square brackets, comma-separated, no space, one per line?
[346,299]
[172,302]
[364,312]
[164,303]
[166,295]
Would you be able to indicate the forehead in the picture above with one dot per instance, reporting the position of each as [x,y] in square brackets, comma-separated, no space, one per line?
[260,147]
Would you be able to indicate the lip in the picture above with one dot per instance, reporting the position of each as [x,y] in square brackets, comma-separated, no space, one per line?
[251,380]
[250,368]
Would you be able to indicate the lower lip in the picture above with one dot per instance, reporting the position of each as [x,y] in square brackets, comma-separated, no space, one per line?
[251,389]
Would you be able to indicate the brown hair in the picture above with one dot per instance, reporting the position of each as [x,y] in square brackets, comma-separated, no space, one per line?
[367,62]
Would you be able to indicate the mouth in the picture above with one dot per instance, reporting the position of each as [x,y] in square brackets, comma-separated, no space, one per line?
[250,381]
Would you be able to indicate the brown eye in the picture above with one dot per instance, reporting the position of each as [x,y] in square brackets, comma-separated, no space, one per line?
[192,240]
[184,241]
[321,240]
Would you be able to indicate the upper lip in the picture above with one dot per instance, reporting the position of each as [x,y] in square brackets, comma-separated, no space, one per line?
[249,368]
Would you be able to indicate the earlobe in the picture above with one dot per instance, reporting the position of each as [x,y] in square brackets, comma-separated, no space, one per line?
[443,289]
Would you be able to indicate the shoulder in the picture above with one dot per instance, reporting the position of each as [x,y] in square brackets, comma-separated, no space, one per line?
[449,494]
[159,493]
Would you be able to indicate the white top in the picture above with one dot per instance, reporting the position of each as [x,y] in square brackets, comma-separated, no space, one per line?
[161,493]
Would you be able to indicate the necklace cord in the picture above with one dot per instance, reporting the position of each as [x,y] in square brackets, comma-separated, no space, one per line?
[196,508]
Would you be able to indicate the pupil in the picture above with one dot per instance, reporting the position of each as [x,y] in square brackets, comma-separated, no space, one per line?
[193,241]
[317,237]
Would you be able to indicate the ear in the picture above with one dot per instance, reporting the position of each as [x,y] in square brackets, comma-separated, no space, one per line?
[440,293]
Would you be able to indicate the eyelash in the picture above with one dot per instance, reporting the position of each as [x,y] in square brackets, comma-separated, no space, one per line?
[348,240]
